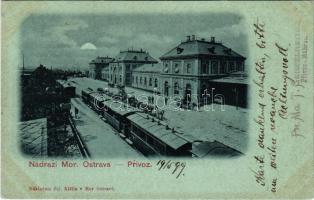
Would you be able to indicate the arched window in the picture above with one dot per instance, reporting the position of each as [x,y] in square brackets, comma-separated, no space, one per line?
[166,88]
[156,82]
[176,88]
[187,93]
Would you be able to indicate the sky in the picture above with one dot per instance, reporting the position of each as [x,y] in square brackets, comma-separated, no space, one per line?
[72,41]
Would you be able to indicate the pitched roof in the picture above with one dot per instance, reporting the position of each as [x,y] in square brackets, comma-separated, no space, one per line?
[236,77]
[134,56]
[200,47]
[153,68]
[101,60]
[33,136]
[158,131]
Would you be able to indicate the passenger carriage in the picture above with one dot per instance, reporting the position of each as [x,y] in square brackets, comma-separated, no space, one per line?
[116,113]
[86,96]
[67,89]
[153,138]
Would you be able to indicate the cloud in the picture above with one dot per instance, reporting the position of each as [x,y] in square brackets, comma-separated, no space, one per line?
[233,31]
[144,38]
[59,33]
[55,35]
[108,39]
[125,31]
[88,46]
[233,36]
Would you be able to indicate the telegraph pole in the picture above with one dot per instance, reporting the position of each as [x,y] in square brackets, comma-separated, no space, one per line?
[23,64]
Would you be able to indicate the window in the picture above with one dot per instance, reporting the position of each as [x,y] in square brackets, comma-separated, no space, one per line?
[166,88]
[135,58]
[150,140]
[176,68]
[145,82]
[176,88]
[150,81]
[188,68]
[120,78]
[179,50]
[231,66]
[240,66]
[166,68]
[204,68]
[156,82]
[136,80]
[140,80]
[223,67]
[214,68]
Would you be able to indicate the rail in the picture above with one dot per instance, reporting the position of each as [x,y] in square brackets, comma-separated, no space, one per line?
[84,151]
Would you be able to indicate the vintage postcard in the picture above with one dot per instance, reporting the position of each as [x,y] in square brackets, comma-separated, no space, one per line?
[167,100]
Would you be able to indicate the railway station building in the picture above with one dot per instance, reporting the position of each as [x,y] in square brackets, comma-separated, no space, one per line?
[193,69]
[146,77]
[98,68]
[189,68]
[122,66]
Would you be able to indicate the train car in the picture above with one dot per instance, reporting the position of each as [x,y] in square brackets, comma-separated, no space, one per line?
[116,112]
[86,96]
[154,138]
[142,131]
[67,89]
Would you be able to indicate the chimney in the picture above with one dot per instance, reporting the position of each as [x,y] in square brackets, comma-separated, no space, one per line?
[188,38]
[212,39]
[193,37]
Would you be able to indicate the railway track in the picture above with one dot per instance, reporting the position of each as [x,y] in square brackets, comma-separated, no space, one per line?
[83,149]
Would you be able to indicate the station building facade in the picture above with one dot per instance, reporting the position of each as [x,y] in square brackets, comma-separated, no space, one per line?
[98,68]
[189,71]
[122,66]
[189,68]
[147,77]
